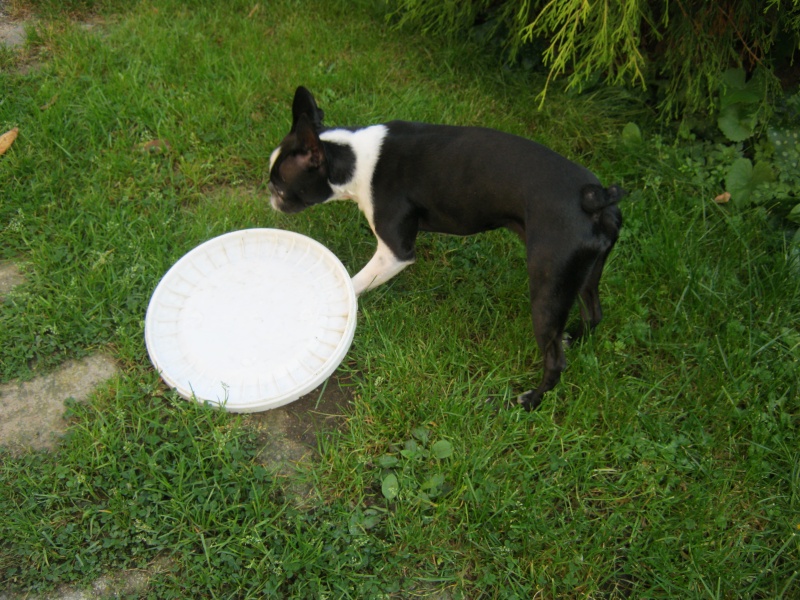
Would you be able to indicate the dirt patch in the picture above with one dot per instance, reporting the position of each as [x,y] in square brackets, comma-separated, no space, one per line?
[289,434]
[14,21]
[12,35]
[303,420]
[33,411]
[12,31]
[123,584]
[16,18]
[10,277]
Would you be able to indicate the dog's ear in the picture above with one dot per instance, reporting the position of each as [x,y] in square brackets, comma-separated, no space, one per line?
[308,141]
[304,104]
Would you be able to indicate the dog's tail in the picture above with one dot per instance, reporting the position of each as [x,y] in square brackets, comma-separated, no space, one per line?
[595,198]
[600,204]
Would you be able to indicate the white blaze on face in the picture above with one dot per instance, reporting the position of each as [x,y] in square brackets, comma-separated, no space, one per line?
[273,196]
[273,157]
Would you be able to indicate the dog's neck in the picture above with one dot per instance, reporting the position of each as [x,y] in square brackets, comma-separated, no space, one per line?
[352,156]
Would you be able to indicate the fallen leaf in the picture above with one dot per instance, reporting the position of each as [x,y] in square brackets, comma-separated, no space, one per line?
[7,139]
[723,198]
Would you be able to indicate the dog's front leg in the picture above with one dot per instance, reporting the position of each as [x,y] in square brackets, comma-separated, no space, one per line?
[381,268]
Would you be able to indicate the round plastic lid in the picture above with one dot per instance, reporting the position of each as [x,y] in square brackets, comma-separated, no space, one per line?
[251,320]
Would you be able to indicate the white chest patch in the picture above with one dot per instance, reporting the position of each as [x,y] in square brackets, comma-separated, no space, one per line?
[366,144]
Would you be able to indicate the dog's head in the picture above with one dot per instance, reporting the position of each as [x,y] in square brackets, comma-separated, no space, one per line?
[298,168]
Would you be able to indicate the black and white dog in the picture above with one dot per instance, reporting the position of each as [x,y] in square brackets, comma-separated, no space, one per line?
[410,177]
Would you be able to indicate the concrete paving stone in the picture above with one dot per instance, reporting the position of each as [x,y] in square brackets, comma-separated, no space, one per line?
[12,34]
[32,412]
[10,277]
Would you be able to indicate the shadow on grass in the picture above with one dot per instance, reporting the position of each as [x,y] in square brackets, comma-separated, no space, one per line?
[288,435]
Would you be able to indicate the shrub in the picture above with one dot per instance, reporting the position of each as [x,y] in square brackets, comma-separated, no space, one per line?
[677,50]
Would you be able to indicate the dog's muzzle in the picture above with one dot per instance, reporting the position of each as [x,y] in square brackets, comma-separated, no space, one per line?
[275,198]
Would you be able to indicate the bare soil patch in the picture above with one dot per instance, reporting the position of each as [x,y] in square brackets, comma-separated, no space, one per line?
[289,434]
[10,277]
[298,425]
[12,34]
[33,411]
[12,25]
[131,583]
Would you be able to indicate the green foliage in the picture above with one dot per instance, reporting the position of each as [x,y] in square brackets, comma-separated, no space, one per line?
[740,102]
[770,175]
[587,39]
[417,472]
[752,160]
[677,49]
[743,179]
[632,135]
[783,150]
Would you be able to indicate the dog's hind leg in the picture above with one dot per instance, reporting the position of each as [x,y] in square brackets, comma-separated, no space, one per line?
[591,310]
[555,283]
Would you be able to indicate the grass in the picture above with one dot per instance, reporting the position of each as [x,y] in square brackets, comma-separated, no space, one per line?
[665,464]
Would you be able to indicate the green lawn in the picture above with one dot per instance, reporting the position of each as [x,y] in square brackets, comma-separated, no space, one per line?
[665,465]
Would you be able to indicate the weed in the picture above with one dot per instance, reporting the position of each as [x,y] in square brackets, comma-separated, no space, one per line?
[416,473]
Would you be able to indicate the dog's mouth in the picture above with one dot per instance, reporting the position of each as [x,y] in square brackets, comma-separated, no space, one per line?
[279,202]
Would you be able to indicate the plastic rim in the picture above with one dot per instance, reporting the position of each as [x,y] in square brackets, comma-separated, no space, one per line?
[251,320]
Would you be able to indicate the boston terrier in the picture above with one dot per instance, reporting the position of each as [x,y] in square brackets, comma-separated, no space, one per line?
[409,177]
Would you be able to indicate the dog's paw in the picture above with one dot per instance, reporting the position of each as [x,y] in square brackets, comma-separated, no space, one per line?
[530,400]
[569,338]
